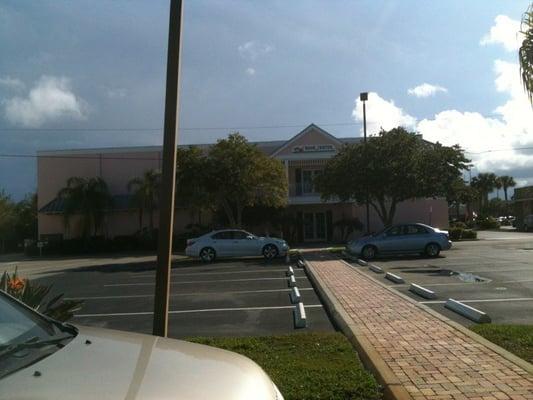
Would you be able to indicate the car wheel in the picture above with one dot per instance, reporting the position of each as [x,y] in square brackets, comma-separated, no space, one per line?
[432,250]
[369,252]
[270,252]
[208,254]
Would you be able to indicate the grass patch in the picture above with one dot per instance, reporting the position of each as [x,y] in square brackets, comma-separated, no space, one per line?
[518,339]
[306,366]
[337,249]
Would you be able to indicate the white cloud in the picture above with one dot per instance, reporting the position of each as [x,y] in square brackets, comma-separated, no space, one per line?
[382,114]
[250,71]
[505,31]
[510,127]
[12,83]
[50,99]
[426,90]
[252,50]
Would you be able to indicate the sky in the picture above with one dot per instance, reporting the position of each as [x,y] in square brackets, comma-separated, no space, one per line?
[91,73]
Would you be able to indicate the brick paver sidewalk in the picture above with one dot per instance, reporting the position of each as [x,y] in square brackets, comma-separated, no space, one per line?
[431,358]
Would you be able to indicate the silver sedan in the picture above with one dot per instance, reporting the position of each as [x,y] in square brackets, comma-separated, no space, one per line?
[402,239]
[235,243]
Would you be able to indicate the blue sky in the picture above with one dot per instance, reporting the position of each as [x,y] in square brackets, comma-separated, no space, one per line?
[101,64]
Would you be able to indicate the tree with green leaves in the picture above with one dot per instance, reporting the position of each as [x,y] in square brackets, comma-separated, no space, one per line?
[146,195]
[525,53]
[25,224]
[90,199]
[191,180]
[461,193]
[240,175]
[507,182]
[7,216]
[395,166]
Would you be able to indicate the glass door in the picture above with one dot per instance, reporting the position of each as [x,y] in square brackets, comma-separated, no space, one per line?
[314,226]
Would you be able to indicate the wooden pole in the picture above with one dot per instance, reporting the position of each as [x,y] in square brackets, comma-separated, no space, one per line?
[166,198]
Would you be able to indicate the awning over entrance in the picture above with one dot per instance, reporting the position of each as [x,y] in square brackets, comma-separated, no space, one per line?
[120,202]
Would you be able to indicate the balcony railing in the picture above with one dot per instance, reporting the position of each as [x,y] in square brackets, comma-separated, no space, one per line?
[301,190]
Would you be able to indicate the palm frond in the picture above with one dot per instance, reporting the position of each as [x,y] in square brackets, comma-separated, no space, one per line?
[525,54]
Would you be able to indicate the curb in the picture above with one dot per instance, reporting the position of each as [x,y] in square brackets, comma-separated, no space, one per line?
[474,336]
[393,388]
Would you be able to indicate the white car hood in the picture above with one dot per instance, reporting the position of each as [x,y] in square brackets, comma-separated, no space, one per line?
[119,365]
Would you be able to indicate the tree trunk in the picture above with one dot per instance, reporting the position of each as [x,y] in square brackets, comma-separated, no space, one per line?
[505,193]
[386,215]
[151,211]
[140,219]
[229,213]
[239,216]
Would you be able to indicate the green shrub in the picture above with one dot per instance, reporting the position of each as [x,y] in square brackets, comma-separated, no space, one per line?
[35,296]
[469,234]
[487,223]
[458,224]
[455,233]
[460,233]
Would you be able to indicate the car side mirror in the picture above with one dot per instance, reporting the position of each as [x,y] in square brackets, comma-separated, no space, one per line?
[249,237]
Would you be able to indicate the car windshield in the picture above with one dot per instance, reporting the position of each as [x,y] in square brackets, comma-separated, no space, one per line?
[21,328]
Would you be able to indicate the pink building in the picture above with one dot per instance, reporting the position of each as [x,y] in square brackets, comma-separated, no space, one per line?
[303,156]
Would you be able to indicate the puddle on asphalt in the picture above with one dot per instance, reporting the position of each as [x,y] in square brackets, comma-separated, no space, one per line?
[471,278]
[436,271]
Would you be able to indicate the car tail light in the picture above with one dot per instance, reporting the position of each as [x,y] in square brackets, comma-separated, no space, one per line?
[190,242]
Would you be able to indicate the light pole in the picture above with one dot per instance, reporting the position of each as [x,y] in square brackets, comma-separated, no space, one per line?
[364,97]
[168,181]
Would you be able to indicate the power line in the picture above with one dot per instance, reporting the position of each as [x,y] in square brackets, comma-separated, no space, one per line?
[106,157]
[198,128]
[82,157]
[498,150]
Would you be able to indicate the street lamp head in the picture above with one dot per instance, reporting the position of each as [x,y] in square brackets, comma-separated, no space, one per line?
[363,96]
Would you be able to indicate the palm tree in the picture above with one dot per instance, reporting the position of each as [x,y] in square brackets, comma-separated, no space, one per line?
[484,184]
[88,197]
[497,186]
[525,54]
[507,182]
[146,194]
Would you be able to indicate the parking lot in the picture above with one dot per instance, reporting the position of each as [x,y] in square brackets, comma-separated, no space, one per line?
[226,298]
[493,274]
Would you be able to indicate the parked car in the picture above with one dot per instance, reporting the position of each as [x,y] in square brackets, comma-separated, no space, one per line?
[527,223]
[47,360]
[401,239]
[235,243]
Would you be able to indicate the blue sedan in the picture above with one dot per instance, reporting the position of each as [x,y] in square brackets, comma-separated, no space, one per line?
[402,239]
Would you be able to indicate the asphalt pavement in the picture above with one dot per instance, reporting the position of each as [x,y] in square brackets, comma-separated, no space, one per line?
[493,274]
[227,298]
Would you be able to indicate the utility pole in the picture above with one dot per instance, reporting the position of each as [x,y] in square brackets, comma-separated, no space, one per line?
[168,182]
[364,97]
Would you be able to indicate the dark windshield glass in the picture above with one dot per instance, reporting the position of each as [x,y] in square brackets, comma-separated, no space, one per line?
[18,323]
[26,337]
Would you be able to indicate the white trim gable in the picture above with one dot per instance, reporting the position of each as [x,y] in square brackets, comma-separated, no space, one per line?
[305,131]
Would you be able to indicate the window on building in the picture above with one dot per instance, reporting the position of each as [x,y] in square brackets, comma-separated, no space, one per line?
[308,178]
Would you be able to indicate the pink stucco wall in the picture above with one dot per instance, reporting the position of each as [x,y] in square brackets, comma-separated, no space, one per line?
[118,166]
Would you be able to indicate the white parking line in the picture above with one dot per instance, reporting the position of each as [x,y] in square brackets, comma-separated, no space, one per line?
[193,311]
[481,300]
[182,294]
[444,284]
[211,273]
[221,280]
